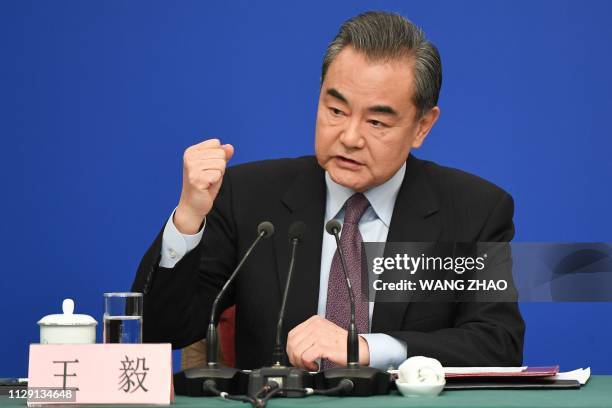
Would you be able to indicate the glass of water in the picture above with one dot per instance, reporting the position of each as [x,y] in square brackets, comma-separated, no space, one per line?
[122,317]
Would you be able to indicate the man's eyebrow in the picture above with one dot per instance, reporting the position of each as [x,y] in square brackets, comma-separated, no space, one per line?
[383,109]
[333,92]
[336,94]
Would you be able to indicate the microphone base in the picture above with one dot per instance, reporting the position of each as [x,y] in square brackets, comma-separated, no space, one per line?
[190,382]
[366,380]
[285,377]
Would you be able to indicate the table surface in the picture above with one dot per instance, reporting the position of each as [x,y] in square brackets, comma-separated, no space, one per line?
[595,394]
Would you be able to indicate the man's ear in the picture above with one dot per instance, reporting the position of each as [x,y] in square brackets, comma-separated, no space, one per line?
[424,126]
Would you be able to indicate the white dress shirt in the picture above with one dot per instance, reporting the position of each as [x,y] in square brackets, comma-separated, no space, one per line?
[385,351]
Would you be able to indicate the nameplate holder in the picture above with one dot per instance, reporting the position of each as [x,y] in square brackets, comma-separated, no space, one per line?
[100,374]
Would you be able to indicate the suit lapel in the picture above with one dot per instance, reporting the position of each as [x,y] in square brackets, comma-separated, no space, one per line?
[415,219]
[303,201]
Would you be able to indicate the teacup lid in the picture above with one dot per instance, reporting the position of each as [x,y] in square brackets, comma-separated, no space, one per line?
[67,318]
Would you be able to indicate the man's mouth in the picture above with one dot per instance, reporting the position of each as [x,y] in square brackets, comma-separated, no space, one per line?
[348,163]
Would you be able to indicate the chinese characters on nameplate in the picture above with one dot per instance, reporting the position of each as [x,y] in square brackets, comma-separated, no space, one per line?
[100,374]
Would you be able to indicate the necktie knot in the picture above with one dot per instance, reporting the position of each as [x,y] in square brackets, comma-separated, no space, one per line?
[355,207]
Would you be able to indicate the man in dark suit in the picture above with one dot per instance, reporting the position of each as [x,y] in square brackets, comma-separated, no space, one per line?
[378,101]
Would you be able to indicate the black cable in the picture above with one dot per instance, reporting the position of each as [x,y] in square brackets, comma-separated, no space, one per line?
[271,394]
[211,386]
[344,387]
[271,386]
[305,391]
[272,389]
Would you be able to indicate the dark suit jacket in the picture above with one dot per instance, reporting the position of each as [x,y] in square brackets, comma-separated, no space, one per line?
[434,203]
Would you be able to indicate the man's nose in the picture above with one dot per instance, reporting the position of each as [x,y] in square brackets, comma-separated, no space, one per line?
[351,136]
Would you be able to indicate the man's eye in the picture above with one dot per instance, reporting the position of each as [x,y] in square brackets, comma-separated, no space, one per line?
[377,124]
[336,112]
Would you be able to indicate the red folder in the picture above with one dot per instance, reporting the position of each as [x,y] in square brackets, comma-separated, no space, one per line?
[528,372]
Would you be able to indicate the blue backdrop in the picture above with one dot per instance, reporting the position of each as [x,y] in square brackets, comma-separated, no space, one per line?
[99,100]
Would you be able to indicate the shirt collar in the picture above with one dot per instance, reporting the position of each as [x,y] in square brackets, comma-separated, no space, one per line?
[381,198]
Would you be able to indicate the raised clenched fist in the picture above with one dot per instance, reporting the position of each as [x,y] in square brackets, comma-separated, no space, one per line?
[203,169]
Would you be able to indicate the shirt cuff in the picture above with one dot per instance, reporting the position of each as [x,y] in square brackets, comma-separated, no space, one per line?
[385,351]
[175,244]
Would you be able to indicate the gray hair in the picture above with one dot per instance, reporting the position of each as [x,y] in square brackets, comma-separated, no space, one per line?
[387,36]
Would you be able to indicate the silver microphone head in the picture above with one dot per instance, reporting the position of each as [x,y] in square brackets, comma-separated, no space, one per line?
[265,229]
[333,227]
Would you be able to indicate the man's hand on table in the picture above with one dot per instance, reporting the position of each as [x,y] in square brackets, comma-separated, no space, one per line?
[318,338]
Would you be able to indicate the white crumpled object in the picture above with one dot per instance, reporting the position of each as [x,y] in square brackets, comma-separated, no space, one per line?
[420,376]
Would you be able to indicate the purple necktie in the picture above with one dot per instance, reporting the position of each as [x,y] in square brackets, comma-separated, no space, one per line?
[338,307]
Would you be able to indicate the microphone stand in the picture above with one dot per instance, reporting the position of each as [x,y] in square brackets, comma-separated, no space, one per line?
[366,380]
[196,381]
[292,379]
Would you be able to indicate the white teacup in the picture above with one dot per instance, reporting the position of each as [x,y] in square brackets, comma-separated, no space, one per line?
[420,377]
[67,328]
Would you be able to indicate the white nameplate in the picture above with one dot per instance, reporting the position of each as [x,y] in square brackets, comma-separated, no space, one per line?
[100,374]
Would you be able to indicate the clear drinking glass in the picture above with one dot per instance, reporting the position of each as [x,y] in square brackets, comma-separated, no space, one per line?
[122,317]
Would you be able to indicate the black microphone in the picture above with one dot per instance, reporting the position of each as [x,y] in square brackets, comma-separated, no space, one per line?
[333,227]
[366,380]
[296,235]
[291,379]
[227,379]
[264,230]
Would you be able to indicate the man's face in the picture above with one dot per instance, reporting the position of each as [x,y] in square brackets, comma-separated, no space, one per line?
[366,120]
